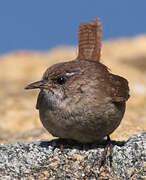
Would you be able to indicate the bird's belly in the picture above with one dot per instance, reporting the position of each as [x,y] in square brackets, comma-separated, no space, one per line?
[83,127]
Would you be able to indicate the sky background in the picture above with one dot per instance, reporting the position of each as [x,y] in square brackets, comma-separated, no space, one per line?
[41,25]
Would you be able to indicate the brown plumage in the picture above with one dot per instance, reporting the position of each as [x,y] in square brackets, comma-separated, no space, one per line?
[81,99]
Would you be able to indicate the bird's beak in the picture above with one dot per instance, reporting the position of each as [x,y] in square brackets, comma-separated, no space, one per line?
[38,84]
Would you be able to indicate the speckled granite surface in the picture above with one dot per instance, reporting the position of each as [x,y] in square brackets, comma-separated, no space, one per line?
[39,160]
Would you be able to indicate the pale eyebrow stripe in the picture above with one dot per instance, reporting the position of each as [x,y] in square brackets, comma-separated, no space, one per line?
[71,73]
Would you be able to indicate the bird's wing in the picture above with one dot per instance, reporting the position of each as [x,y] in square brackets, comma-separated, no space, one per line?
[90,36]
[119,89]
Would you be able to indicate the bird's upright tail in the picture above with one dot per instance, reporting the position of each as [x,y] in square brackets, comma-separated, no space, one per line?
[90,37]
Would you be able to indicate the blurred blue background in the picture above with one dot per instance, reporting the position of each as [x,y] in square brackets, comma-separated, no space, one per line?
[42,25]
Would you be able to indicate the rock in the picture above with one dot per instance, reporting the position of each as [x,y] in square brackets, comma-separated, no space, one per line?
[41,160]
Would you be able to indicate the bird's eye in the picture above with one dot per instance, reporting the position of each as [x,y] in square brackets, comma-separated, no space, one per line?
[61,80]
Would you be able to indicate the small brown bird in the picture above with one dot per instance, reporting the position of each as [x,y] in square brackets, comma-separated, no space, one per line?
[81,99]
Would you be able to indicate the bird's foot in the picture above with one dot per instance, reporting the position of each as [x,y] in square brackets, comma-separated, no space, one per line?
[59,144]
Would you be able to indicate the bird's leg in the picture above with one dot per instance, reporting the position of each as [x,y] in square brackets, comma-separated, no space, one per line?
[60,144]
[54,145]
[110,155]
[108,146]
